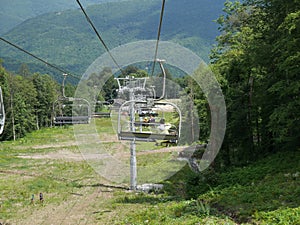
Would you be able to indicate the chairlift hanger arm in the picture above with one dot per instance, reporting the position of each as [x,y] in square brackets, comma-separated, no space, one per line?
[2,112]
[63,85]
[158,34]
[164,79]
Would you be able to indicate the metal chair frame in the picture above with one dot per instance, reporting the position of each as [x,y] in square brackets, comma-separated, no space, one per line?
[2,112]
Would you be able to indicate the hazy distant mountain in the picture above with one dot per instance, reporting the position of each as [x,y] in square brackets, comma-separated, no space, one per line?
[14,12]
[66,39]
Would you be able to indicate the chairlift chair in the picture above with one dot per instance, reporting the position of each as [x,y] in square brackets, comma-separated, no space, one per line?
[131,129]
[137,132]
[69,110]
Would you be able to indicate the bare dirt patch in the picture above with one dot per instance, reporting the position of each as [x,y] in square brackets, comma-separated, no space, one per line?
[59,155]
[77,209]
[55,145]
[72,156]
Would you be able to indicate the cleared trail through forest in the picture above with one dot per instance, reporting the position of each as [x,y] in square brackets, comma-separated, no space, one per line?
[77,156]
[78,208]
[91,201]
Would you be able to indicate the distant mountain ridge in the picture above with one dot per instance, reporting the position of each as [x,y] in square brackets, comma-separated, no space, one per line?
[15,12]
[66,39]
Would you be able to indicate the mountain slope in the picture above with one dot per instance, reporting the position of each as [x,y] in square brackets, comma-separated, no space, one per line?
[66,39]
[14,12]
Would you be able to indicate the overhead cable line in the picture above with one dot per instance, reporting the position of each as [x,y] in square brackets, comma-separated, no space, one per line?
[38,58]
[158,34]
[99,36]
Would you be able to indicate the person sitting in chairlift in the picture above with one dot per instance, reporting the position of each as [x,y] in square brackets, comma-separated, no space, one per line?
[152,119]
[163,127]
[146,120]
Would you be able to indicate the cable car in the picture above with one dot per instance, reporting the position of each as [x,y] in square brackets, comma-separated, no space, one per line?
[2,112]
[69,110]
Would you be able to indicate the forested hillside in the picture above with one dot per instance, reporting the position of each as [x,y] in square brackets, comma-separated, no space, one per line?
[258,58]
[253,180]
[16,11]
[66,39]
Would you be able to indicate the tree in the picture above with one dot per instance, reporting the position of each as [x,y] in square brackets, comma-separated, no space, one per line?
[46,89]
[24,70]
[231,61]
[258,55]
[28,102]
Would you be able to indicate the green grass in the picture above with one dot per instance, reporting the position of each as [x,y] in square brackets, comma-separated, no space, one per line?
[282,216]
[266,192]
[45,136]
[56,180]
[250,194]
[104,125]
[158,209]
[20,178]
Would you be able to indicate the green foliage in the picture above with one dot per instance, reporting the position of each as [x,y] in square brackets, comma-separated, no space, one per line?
[245,194]
[256,60]
[269,184]
[46,95]
[283,216]
[166,211]
[196,119]
[14,14]
[265,192]
[66,39]
[28,102]
[257,54]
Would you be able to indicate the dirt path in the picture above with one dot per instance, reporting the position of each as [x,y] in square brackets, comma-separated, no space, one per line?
[77,209]
[72,156]
[88,204]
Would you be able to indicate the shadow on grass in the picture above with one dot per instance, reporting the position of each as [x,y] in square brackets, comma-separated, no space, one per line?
[76,185]
[142,198]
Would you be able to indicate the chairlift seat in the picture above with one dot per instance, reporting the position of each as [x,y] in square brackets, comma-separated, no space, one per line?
[138,123]
[154,114]
[146,136]
[64,120]
[101,115]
